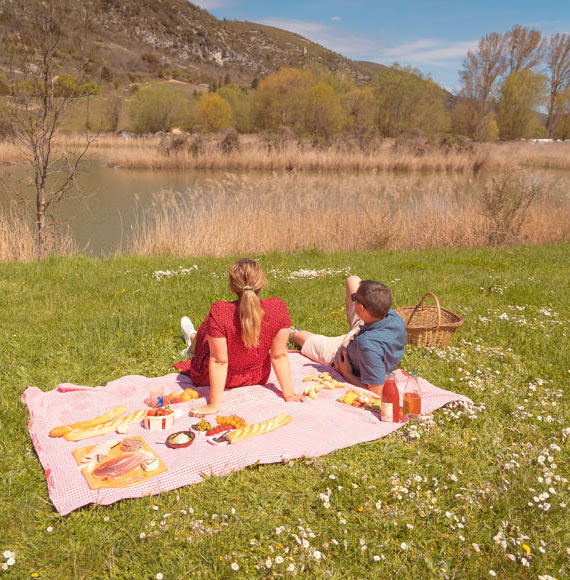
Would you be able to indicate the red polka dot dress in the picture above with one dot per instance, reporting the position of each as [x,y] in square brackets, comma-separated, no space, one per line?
[246,366]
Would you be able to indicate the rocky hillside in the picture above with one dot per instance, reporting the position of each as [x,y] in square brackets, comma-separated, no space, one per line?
[177,39]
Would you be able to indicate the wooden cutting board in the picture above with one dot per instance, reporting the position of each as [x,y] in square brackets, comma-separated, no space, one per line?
[133,477]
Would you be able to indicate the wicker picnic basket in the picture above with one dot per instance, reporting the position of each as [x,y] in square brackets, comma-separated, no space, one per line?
[429,325]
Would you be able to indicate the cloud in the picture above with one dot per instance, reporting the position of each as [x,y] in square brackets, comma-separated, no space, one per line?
[336,18]
[426,51]
[303,27]
[212,4]
[333,38]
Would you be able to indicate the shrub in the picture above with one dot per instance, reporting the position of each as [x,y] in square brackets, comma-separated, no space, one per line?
[229,141]
[505,202]
[157,108]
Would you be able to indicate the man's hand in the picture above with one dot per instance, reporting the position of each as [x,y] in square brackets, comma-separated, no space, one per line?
[342,364]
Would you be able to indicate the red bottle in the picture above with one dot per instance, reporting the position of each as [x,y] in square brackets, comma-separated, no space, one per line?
[390,410]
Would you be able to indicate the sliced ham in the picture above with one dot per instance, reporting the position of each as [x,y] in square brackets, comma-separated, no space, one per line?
[118,466]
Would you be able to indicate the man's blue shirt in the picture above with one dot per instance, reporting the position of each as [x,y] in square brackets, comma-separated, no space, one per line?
[378,348]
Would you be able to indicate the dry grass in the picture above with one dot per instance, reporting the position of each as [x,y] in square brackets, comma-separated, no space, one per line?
[18,239]
[238,216]
[387,155]
[9,153]
[256,152]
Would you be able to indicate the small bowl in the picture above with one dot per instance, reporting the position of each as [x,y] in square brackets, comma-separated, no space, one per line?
[172,445]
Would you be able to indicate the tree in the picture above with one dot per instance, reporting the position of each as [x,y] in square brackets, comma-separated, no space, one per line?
[281,99]
[324,113]
[213,112]
[558,62]
[431,114]
[405,100]
[482,68]
[397,92]
[36,110]
[524,48]
[359,109]
[522,93]
[241,103]
[156,108]
[561,129]
[466,119]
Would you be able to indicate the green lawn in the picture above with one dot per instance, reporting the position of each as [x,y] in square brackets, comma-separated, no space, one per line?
[482,492]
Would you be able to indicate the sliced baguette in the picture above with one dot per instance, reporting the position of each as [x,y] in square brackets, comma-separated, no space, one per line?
[120,424]
[109,416]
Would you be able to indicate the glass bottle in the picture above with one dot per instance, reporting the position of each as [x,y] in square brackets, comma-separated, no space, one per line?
[390,410]
[412,397]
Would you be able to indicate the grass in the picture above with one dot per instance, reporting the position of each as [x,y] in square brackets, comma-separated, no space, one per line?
[486,487]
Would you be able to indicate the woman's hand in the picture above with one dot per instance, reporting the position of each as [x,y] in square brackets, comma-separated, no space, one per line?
[203,410]
[294,398]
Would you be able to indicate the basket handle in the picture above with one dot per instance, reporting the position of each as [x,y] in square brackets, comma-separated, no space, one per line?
[438,318]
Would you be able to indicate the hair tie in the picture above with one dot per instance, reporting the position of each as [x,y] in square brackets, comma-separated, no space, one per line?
[247,288]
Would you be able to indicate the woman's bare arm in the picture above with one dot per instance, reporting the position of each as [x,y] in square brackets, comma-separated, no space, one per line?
[280,363]
[218,371]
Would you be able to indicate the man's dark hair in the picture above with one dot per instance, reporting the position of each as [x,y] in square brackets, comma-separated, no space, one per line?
[375,297]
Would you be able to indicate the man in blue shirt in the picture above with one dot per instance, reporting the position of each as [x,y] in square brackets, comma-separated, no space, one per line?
[373,346]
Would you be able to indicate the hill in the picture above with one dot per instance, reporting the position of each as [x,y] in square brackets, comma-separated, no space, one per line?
[177,39]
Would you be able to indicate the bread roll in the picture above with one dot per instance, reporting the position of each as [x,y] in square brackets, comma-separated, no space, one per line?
[109,416]
[258,428]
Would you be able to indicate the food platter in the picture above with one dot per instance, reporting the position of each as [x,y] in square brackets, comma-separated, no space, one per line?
[133,477]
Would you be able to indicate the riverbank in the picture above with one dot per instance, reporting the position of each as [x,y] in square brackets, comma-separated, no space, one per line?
[276,152]
[483,488]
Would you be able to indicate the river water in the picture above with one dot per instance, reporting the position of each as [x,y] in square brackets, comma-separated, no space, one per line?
[102,215]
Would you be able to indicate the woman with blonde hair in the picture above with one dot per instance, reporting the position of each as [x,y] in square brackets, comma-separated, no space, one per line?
[239,342]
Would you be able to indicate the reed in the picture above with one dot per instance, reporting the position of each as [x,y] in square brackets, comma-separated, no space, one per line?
[237,216]
[9,153]
[18,238]
[256,152]
[346,154]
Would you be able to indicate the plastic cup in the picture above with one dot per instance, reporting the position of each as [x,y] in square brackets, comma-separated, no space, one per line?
[156,396]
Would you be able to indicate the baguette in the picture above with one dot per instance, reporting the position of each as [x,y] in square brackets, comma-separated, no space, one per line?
[120,424]
[109,416]
[258,428]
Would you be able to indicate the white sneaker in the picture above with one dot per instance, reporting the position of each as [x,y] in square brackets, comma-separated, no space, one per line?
[188,329]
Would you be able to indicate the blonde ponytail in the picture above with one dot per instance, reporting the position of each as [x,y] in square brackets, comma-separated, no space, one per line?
[250,314]
[246,280]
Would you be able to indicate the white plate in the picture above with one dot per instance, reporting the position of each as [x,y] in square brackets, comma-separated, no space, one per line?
[215,439]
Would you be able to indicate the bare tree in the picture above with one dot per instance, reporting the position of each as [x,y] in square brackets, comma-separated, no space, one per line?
[558,61]
[482,68]
[524,48]
[36,110]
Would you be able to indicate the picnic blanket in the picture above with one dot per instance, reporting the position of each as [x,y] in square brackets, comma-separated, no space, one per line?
[318,427]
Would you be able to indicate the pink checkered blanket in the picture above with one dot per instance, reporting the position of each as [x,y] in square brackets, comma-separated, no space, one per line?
[318,427]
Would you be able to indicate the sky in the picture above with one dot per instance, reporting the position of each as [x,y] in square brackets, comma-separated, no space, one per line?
[432,35]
